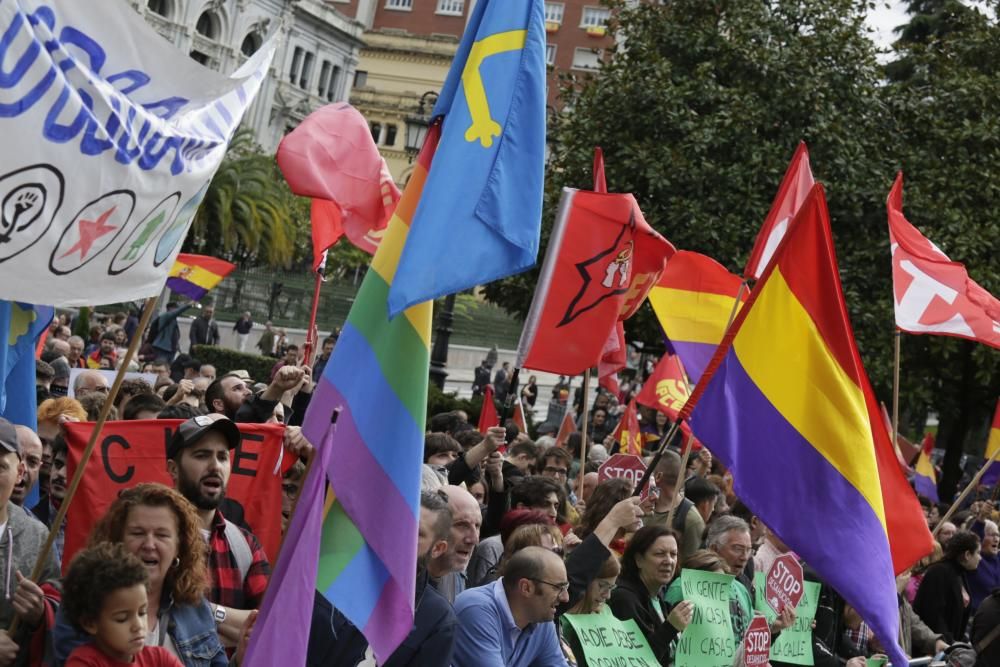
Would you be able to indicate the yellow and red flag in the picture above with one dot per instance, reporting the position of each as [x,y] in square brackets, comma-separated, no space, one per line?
[628,435]
[194,275]
[992,475]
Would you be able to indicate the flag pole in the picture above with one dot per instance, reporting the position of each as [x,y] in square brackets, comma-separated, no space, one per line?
[736,304]
[109,402]
[662,447]
[975,481]
[895,393]
[310,343]
[583,433]
[508,402]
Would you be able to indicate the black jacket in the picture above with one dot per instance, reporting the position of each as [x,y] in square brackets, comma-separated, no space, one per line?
[939,600]
[986,619]
[334,641]
[631,600]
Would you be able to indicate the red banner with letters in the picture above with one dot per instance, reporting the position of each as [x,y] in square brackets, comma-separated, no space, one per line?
[128,453]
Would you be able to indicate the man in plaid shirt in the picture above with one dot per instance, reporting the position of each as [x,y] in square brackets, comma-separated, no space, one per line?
[198,460]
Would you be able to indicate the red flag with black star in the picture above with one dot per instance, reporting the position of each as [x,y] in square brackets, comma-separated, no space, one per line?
[601,262]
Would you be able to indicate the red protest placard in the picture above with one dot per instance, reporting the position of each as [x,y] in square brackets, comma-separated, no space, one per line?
[783,584]
[757,643]
[128,453]
[628,466]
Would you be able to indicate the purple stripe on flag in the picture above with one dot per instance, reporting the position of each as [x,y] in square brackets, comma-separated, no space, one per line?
[798,494]
[370,503]
[389,623]
[288,604]
[188,289]
[694,356]
[926,487]
[992,475]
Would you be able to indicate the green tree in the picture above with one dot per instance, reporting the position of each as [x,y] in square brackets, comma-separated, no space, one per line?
[699,109]
[249,215]
[947,114]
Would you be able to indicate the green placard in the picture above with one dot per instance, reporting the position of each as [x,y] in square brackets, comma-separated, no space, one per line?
[608,642]
[708,640]
[876,661]
[793,645]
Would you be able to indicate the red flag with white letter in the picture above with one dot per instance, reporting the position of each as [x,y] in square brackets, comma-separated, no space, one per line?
[794,188]
[933,294]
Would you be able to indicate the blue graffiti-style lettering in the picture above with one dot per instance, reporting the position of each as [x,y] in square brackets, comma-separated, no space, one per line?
[143,146]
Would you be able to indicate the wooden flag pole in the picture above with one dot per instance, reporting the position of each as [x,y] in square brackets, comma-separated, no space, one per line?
[133,345]
[583,434]
[968,489]
[895,394]
[736,304]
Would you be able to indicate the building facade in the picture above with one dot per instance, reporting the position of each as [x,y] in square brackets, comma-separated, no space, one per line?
[315,61]
[408,50]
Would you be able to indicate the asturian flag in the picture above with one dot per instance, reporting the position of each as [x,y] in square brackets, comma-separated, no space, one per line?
[110,138]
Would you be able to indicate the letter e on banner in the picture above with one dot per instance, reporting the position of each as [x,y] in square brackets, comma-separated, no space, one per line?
[783,586]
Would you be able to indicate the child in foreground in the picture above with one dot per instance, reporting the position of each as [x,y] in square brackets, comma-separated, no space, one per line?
[104,595]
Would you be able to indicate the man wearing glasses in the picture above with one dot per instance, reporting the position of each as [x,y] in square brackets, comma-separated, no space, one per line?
[90,382]
[509,623]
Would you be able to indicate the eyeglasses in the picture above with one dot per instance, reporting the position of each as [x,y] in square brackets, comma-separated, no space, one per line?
[562,588]
[561,472]
[605,587]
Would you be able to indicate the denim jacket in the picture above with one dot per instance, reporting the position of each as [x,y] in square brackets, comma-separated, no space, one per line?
[191,627]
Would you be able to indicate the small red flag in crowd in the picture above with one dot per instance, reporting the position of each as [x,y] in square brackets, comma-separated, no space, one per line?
[627,434]
[666,389]
[488,414]
[565,428]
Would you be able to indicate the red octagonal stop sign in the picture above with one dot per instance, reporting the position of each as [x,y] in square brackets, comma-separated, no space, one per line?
[783,585]
[757,643]
[628,466]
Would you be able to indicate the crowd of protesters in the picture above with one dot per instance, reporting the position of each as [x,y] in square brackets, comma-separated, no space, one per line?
[514,533]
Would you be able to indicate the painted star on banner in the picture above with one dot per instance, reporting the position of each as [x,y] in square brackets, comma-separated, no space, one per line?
[90,231]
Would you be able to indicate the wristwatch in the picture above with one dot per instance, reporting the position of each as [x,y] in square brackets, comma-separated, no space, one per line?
[220,614]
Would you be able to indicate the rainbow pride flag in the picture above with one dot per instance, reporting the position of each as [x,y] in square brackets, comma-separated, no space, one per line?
[693,300]
[992,476]
[361,550]
[924,477]
[194,275]
[786,405]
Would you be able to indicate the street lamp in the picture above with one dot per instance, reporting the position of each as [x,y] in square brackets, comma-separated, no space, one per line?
[418,124]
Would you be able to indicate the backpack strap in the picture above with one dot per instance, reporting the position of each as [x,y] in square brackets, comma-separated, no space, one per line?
[680,516]
[239,547]
[988,639]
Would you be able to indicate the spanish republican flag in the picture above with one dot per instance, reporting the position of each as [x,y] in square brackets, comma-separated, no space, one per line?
[194,275]
[693,300]
[785,403]
[992,475]
[924,477]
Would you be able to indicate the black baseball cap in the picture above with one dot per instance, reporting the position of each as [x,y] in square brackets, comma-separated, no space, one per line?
[192,430]
[8,439]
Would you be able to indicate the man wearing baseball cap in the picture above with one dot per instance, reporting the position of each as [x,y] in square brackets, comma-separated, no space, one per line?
[198,459]
[21,540]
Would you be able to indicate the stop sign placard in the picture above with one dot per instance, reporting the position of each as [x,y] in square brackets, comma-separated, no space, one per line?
[757,643]
[628,466]
[783,585]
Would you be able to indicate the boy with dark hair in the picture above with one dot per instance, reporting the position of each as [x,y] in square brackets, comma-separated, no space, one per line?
[104,595]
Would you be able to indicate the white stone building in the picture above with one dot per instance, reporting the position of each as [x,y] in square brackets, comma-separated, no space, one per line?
[314,64]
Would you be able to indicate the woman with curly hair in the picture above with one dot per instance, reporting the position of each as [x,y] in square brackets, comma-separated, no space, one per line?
[161,528]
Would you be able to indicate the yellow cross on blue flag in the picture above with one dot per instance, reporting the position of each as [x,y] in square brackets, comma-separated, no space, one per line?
[479,217]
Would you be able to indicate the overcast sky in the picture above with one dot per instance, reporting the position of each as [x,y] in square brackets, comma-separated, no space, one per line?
[885,17]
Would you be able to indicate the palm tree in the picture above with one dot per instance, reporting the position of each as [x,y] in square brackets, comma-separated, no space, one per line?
[249,214]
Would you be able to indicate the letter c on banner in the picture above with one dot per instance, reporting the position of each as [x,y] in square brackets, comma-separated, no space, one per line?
[105,447]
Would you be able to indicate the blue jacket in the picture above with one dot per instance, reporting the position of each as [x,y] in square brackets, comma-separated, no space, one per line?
[191,627]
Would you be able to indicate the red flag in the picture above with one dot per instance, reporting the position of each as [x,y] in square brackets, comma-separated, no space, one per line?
[565,428]
[794,188]
[666,389]
[135,451]
[627,434]
[518,417]
[933,294]
[601,262]
[906,451]
[331,156]
[613,358]
[326,228]
[600,184]
[488,414]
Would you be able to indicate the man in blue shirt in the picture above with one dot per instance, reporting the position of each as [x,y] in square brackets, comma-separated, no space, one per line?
[509,623]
